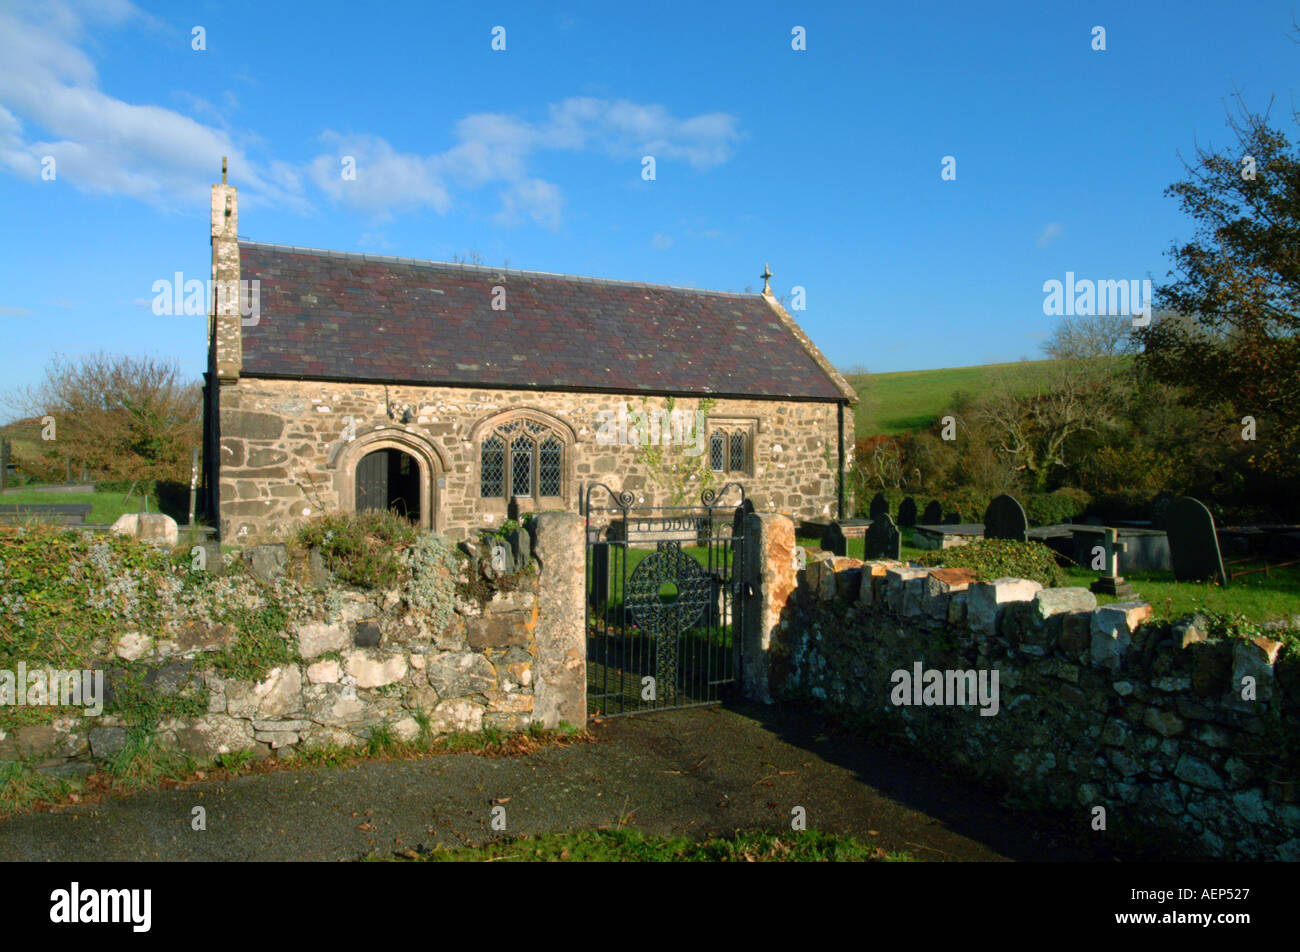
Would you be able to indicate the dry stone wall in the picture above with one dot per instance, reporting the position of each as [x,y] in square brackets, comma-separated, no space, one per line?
[506,659]
[1091,707]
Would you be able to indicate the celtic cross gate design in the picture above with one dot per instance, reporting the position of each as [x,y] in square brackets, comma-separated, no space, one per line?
[666,594]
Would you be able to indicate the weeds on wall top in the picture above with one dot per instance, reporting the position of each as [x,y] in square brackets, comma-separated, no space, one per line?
[361,549]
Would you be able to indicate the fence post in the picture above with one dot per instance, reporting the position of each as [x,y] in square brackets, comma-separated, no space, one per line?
[4,464]
[770,571]
[560,678]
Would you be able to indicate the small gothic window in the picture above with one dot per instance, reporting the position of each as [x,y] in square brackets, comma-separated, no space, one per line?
[521,466]
[493,479]
[737,462]
[730,447]
[521,458]
[548,473]
[717,452]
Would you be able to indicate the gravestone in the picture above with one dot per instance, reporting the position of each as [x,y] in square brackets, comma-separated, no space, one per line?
[1104,546]
[882,540]
[1005,519]
[1193,544]
[933,514]
[907,512]
[952,519]
[1160,509]
[879,505]
[738,520]
[833,538]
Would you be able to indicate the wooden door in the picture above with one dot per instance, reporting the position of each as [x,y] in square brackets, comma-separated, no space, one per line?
[372,482]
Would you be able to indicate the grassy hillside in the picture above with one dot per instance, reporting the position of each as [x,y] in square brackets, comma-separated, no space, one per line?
[915,399]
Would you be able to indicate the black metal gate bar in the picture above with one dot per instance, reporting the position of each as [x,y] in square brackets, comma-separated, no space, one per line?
[663,627]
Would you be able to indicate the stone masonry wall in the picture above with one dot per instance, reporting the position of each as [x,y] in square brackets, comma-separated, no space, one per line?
[506,661]
[283,446]
[1097,707]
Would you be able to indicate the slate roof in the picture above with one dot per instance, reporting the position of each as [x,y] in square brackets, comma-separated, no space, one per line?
[336,316]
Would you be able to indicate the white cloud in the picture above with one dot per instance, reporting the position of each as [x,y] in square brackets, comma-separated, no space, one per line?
[168,158]
[661,242]
[6,311]
[100,143]
[1050,233]
[538,200]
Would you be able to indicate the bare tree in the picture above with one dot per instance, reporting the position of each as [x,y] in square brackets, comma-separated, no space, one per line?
[1089,337]
[1033,428]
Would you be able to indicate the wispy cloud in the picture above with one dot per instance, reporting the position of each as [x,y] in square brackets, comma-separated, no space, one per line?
[101,143]
[661,242]
[1050,233]
[8,311]
[51,105]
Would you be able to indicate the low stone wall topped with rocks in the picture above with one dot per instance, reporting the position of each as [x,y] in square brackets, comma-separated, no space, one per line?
[501,657]
[1173,735]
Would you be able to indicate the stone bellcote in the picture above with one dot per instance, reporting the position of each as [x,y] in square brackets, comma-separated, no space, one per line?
[225,334]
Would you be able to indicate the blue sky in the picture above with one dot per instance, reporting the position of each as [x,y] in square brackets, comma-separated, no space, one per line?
[824,162]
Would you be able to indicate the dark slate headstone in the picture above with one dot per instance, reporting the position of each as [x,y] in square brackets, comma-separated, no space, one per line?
[933,514]
[833,538]
[1160,509]
[907,512]
[952,519]
[1005,519]
[521,545]
[1193,544]
[883,540]
[879,505]
[738,520]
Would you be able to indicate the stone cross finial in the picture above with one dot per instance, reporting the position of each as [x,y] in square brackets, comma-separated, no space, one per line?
[223,170]
[767,273]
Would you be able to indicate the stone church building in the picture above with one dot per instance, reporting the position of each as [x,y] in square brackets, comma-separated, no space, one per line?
[444,391]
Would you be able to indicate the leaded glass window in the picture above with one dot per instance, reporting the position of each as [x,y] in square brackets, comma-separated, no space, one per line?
[521,465]
[548,472]
[737,462]
[717,457]
[492,480]
[521,458]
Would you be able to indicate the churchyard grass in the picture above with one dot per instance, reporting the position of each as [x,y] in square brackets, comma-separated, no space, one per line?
[108,506]
[1260,598]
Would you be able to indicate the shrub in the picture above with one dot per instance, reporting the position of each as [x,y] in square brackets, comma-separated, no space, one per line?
[968,502]
[1001,558]
[1063,505]
[360,548]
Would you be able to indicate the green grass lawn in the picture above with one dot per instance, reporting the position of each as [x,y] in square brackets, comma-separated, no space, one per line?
[916,399]
[1257,597]
[107,506]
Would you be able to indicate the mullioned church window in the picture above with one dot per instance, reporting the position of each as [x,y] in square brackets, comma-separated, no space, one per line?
[521,458]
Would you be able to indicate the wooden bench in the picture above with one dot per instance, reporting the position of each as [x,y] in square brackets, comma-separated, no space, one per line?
[65,514]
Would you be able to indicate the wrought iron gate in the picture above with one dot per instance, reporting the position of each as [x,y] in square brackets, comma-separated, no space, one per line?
[665,600]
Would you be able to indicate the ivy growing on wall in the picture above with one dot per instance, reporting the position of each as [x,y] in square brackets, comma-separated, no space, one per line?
[679,474]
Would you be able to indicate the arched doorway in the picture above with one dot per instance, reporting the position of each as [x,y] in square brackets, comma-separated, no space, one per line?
[388,480]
